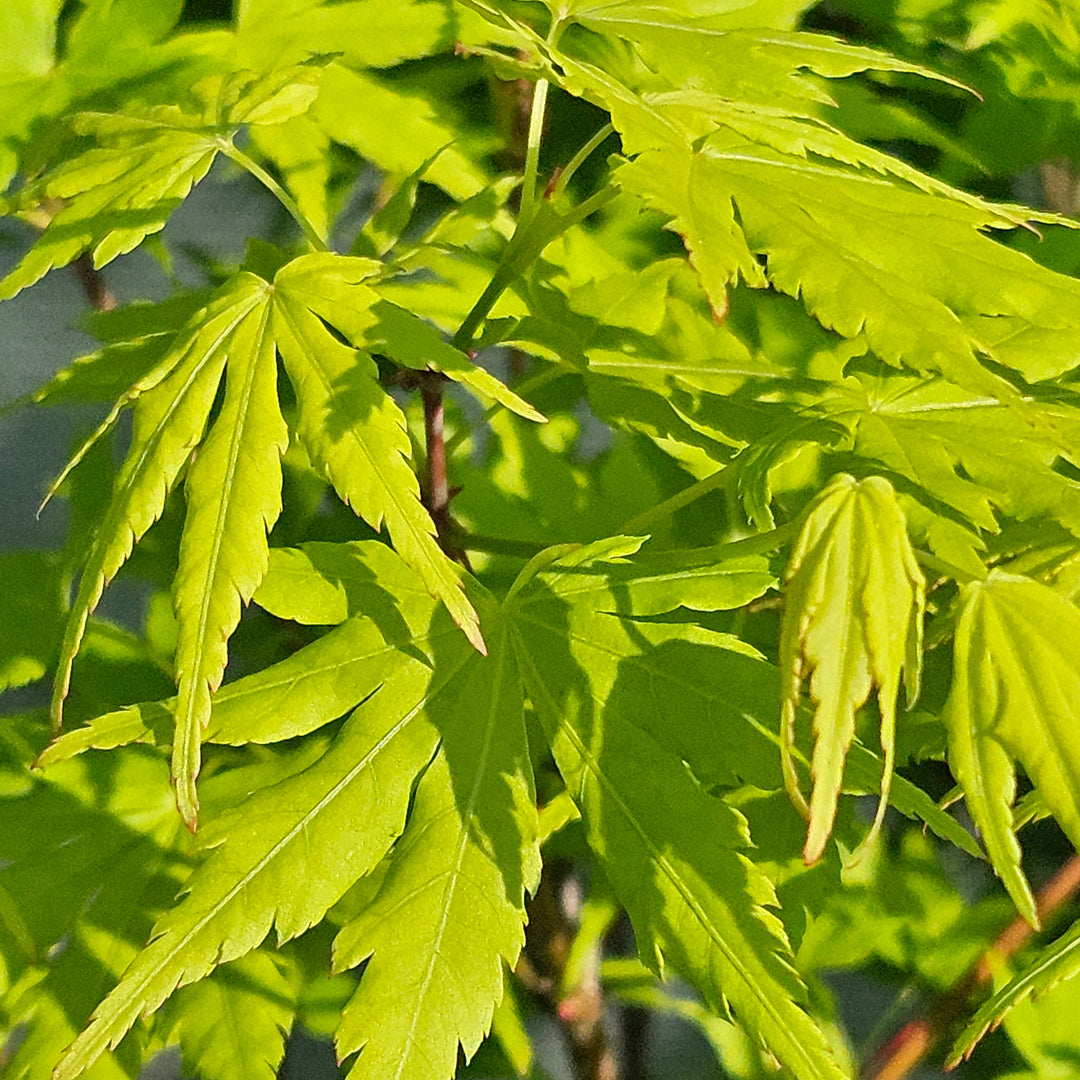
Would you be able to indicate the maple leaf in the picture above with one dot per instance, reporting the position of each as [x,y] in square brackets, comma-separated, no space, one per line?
[260,1002]
[971,453]
[762,190]
[145,163]
[107,863]
[353,432]
[852,621]
[1011,703]
[472,823]
[456,881]
[623,755]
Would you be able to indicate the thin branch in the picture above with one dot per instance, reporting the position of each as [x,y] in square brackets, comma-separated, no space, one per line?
[436,486]
[98,294]
[918,1037]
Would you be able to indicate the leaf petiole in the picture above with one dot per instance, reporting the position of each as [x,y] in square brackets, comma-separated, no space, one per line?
[249,165]
[579,159]
[536,131]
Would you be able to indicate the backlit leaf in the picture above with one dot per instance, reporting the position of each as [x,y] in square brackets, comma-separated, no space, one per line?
[450,912]
[1010,703]
[852,622]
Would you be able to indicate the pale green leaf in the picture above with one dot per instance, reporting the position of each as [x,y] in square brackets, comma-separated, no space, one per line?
[450,912]
[396,131]
[144,165]
[969,452]
[233,495]
[299,830]
[367,33]
[1010,702]
[27,37]
[232,1024]
[115,197]
[169,421]
[852,622]
[351,427]
[605,699]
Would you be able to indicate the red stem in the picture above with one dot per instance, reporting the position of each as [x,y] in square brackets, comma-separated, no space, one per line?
[919,1036]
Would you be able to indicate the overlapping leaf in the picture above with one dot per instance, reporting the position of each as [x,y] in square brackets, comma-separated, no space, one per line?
[1014,698]
[305,828]
[745,170]
[257,1002]
[86,865]
[450,912]
[703,909]
[352,430]
[471,826]
[112,196]
[968,452]
[852,622]
[302,829]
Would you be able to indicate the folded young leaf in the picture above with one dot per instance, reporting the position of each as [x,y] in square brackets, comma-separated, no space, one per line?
[1015,703]
[625,720]
[852,622]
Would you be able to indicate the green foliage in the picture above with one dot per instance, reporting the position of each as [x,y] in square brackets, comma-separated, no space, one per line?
[687,356]
[852,621]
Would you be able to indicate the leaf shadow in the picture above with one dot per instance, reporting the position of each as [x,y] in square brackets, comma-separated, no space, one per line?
[480,718]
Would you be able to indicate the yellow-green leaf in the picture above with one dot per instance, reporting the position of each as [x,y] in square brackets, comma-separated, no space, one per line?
[1015,697]
[852,622]
[234,498]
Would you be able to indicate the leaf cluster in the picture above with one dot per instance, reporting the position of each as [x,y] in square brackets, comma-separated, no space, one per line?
[628,394]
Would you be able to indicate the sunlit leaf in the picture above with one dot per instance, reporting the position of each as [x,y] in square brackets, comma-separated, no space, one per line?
[1015,704]
[852,623]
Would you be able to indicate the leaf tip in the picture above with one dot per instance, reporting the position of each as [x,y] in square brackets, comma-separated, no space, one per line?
[187,802]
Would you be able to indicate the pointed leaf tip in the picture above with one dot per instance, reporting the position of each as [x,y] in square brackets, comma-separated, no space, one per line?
[1011,704]
[853,609]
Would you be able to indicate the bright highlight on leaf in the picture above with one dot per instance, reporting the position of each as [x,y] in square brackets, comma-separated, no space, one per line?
[1015,703]
[852,622]
[366,777]
[351,428]
[110,198]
